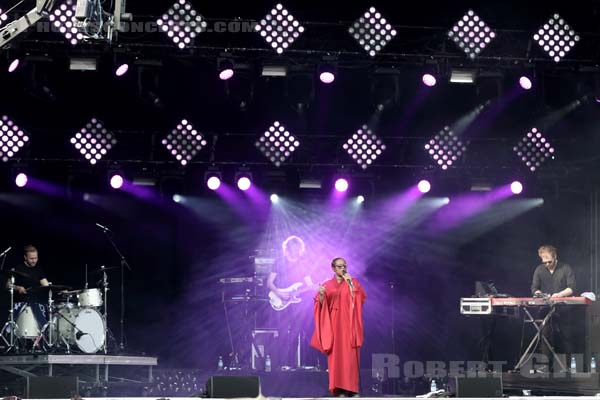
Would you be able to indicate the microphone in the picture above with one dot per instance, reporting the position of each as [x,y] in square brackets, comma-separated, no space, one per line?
[5,252]
[349,280]
[103,227]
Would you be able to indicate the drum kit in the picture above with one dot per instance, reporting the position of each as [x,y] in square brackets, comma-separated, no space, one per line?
[76,319]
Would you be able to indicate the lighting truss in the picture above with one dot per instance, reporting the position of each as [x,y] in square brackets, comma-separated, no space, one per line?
[184,142]
[182,23]
[372,31]
[12,138]
[556,37]
[471,34]
[93,141]
[534,149]
[364,147]
[277,143]
[445,148]
[279,28]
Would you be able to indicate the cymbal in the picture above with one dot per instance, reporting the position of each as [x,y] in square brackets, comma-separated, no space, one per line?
[70,292]
[100,270]
[8,272]
[43,289]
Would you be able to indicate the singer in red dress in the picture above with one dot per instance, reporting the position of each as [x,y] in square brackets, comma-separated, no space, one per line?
[339,328]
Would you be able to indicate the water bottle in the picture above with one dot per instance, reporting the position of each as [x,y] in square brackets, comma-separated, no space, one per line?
[573,365]
[220,363]
[593,365]
[433,387]
[268,363]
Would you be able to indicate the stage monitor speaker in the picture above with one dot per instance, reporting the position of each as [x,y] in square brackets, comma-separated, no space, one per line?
[231,387]
[487,386]
[52,387]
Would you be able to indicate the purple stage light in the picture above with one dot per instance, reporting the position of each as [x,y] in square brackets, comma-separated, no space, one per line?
[372,31]
[213,183]
[93,141]
[327,77]
[364,147]
[277,143]
[279,28]
[184,142]
[14,65]
[182,23]
[122,70]
[429,80]
[63,18]
[424,186]
[341,185]
[12,138]
[525,82]
[471,34]
[226,74]
[534,149]
[116,181]
[445,148]
[244,183]
[21,180]
[3,17]
[360,199]
[516,187]
[274,198]
[556,37]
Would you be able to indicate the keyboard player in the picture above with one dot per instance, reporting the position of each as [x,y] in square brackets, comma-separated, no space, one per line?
[556,279]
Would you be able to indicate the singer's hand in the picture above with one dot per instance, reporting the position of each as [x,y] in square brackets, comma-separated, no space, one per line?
[321,290]
[347,277]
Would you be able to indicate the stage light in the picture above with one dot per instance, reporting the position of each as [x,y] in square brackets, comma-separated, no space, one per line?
[225,70]
[372,31]
[424,186]
[182,23]
[534,149]
[471,34]
[184,142]
[14,64]
[12,138]
[63,18]
[462,75]
[279,28]
[556,37]
[429,80]
[3,17]
[93,141]
[341,185]
[122,70]
[213,183]
[516,187]
[445,148]
[274,198]
[177,198]
[360,199]
[525,82]
[21,180]
[326,73]
[364,147]
[116,181]
[277,143]
[446,200]
[244,183]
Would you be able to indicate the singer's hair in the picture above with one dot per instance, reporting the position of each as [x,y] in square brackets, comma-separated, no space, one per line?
[334,260]
[546,248]
[29,249]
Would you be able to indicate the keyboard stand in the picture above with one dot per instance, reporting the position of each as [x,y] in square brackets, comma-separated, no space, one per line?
[539,336]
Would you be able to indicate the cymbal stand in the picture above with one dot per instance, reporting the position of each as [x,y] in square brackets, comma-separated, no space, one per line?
[50,326]
[10,325]
[105,286]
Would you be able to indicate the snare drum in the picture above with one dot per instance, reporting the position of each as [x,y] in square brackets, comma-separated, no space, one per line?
[90,298]
[27,325]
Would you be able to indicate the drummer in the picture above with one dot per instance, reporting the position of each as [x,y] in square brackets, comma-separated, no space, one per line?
[29,274]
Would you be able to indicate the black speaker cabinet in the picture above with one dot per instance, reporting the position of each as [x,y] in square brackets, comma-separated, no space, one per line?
[231,387]
[488,386]
[52,387]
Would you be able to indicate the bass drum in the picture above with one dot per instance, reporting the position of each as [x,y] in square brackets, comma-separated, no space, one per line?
[83,327]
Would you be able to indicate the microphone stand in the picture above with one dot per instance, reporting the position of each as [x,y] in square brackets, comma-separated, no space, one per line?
[124,264]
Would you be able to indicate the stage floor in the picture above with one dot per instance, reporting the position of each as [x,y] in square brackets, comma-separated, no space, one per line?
[366,398]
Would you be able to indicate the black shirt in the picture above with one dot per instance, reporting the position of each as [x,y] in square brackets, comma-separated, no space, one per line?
[562,278]
[31,277]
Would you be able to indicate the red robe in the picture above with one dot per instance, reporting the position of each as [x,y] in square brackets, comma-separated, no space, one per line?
[339,332]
